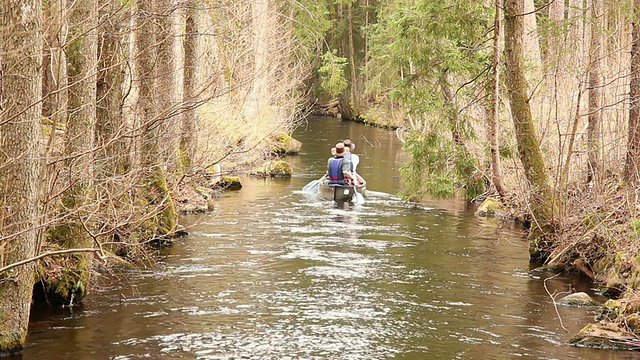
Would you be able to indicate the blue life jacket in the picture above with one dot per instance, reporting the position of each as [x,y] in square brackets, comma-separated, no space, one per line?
[335,171]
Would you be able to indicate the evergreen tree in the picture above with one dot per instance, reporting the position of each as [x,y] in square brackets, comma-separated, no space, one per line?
[427,55]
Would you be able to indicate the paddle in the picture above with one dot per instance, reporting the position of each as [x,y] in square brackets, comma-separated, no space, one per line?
[312,187]
[357,197]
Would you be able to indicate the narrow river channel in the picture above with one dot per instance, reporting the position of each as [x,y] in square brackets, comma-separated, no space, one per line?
[274,273]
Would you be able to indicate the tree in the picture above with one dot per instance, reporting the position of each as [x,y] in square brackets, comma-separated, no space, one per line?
[541,199]
[554,44]
[493,121]
[352,55]
[113,158]
[79,138]
[169,77]
[632,163]
[21,65]
[154,194]
[432,69]
[260,24]
[55,82]
[191,43]
[530,32]
[596,55]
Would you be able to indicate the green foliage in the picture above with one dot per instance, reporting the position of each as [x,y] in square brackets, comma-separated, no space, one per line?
[437,167]
[332,77]
[417,47]
[423,38]
[416,42]
[312,22]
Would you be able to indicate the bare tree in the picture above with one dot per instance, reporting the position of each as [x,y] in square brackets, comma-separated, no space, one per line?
[79,141]
[154,190]
[113,157]
[55,83]
[541,199]
[531,43]
[596,54]
[554,45]
[192,52]
[260,23]
[632,163]
[493,123]
[168,82]
[21,66]
[352,55]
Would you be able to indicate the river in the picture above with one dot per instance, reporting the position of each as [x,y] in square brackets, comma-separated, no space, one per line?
[274,273]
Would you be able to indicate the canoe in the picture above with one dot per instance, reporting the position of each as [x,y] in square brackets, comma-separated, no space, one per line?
[340,193]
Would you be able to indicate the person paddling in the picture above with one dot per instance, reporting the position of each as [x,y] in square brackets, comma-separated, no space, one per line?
[354,158]
[339,167]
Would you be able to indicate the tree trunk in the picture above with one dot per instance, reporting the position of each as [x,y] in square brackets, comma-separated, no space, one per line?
[55,81]
[531,41]
[576,34]
[352,55]
[555,39]
[154,190]
[632,163]
[146,78]
[596,53]
[79,155]
[451,110]
[192,55]
[494,116]
[110,124]
[365,35]
[169,93]
[21,49]
[541,199]
[260,23]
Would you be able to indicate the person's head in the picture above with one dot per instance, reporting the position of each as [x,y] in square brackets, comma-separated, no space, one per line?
[333,151]
[340,150]
[349,144]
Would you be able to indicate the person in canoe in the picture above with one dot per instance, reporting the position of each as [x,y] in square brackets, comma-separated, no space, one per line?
[339,167]
[355,159]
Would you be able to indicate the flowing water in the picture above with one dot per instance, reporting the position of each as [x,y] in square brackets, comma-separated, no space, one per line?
[274,273]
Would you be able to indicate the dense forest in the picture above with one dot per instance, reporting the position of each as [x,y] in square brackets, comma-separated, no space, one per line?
[111,111]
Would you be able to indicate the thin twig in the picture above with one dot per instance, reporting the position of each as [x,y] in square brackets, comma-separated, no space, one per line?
[48,253]
[553,301]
